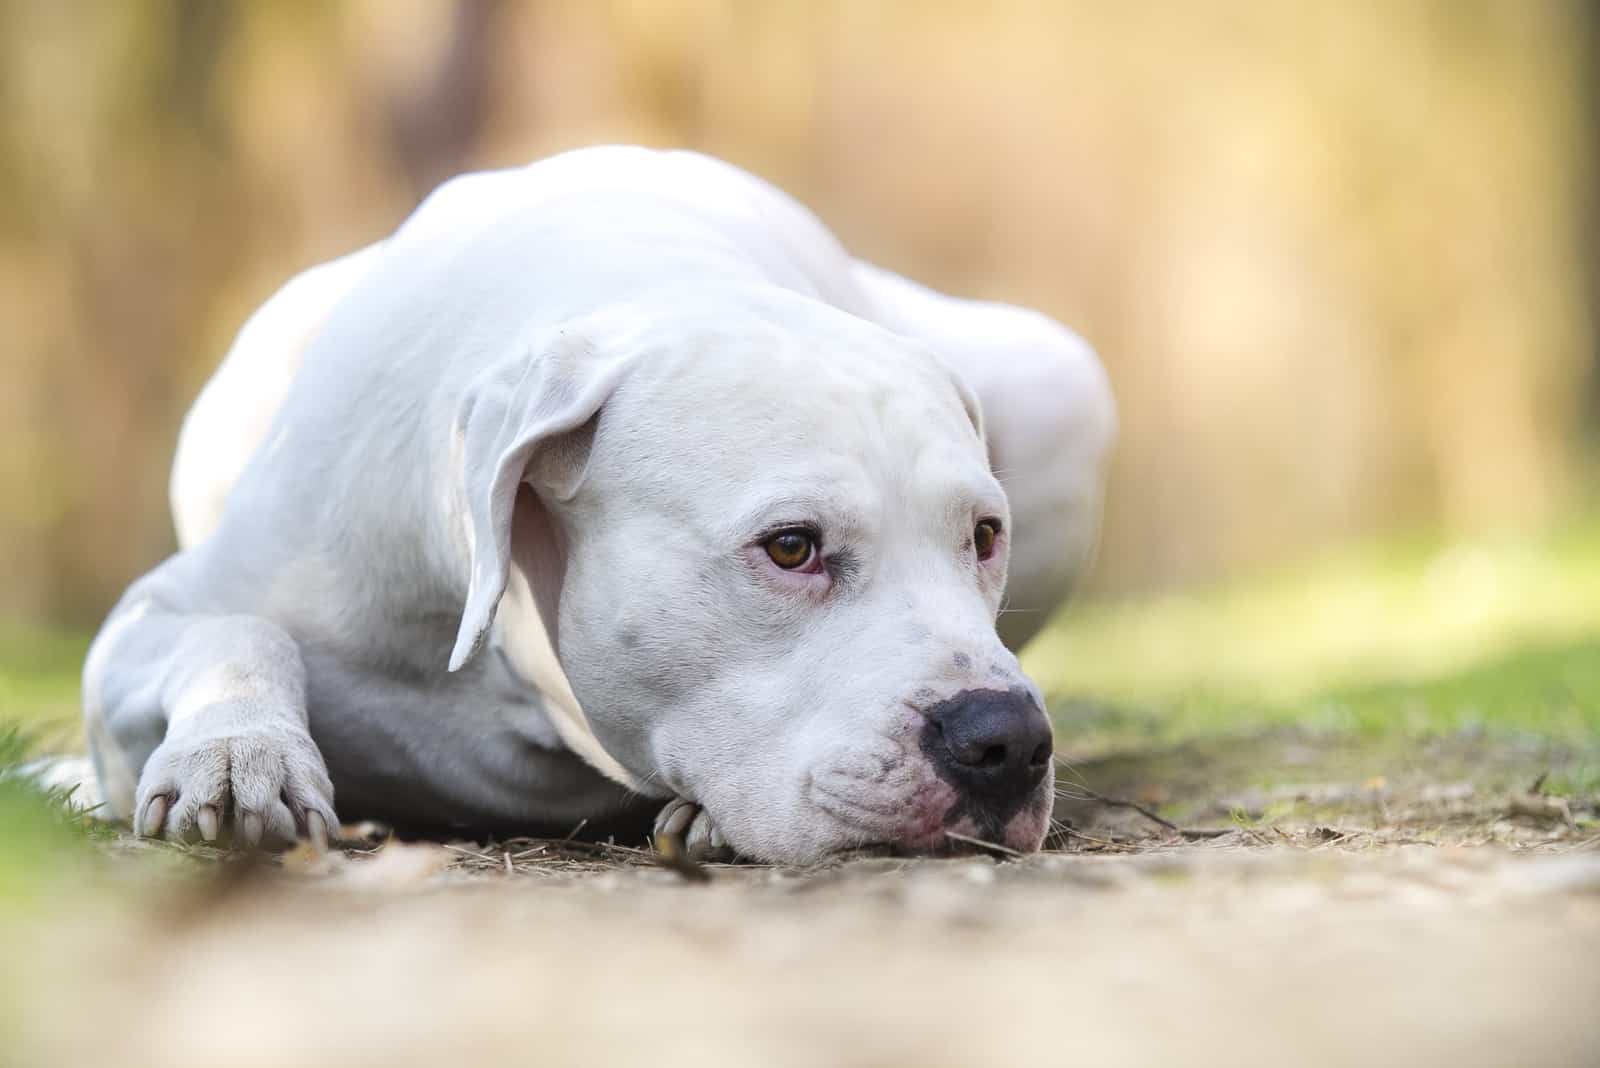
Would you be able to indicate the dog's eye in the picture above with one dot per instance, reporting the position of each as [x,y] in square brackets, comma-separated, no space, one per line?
[792,549]
[984,536]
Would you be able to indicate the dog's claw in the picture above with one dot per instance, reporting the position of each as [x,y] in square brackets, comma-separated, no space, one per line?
[154,817]
[674,819]
[251,827]
[684,830]
[317,831]
[209,821]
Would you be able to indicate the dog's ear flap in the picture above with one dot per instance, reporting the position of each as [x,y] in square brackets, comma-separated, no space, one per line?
[510,413]
[969,403]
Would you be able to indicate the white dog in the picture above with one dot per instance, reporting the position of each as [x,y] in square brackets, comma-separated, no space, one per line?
[608,479]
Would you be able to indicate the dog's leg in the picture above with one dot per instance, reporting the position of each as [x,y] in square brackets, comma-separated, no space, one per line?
[192,719]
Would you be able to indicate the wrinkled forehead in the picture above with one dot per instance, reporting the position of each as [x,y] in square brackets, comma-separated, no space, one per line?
[822,391]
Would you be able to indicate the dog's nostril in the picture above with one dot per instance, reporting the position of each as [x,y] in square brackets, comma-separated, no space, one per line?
[993,744]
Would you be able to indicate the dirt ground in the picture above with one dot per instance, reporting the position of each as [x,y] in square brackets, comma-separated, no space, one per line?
[1419,919]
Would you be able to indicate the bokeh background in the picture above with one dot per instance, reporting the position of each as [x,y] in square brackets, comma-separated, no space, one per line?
[1338,258]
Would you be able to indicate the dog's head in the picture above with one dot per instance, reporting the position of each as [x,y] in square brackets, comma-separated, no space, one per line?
[764,538]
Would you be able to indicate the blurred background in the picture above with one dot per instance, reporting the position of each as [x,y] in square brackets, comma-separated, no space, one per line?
[1338,258]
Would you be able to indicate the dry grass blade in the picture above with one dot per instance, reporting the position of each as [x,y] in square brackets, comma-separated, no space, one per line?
[1192,833]
[991,847]
[546,857]
[464,851]
[1073,832]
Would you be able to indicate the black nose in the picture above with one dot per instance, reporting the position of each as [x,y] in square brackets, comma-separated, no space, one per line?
[994,745]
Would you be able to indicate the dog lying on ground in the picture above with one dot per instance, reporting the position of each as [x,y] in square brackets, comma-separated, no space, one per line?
[610,481]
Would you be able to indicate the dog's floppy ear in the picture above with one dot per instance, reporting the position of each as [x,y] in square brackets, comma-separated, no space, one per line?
[510,413]
[969,403]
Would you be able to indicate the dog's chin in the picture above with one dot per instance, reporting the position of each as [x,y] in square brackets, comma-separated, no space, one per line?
[933,823]
[1023,833]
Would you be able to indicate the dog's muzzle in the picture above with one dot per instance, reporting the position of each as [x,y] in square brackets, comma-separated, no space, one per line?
[993,747]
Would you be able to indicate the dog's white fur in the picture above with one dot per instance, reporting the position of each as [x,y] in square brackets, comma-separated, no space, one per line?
[476,512]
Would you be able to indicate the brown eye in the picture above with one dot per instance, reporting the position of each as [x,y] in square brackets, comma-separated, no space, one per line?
[984,536]
[791,549]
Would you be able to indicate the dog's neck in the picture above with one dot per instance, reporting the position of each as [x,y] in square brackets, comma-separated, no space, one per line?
[521,635]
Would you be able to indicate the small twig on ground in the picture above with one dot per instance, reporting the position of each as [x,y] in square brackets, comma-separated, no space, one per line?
[1184,832]
[1538,784]
[578,827]
[600,848]
[486,858]
[993,847]
[1587,843]
[1118,802]
[1073,832]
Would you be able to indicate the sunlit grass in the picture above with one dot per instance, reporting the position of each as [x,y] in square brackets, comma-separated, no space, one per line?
[1415,636]
[41,829]
[39,671]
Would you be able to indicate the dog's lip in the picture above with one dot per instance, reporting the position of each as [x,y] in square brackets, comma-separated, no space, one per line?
[893,828]
[884,828]
[836,804]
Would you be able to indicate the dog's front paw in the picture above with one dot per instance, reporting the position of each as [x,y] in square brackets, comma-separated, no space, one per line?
[270,781]
[684,829]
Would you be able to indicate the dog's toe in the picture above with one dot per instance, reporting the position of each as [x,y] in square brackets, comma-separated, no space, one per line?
[685,829]
[266,788]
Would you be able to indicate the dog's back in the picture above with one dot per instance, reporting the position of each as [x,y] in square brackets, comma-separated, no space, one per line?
[231,416]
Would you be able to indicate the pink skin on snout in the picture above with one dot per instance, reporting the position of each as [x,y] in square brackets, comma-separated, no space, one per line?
[892,796]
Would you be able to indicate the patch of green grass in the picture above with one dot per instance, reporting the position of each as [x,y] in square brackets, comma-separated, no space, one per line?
[39,678]
[1403,638]
[1550,690]
[43,832]
[1580,782]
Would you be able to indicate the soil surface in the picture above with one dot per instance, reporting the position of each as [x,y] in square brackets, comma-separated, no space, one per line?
[1435,906]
